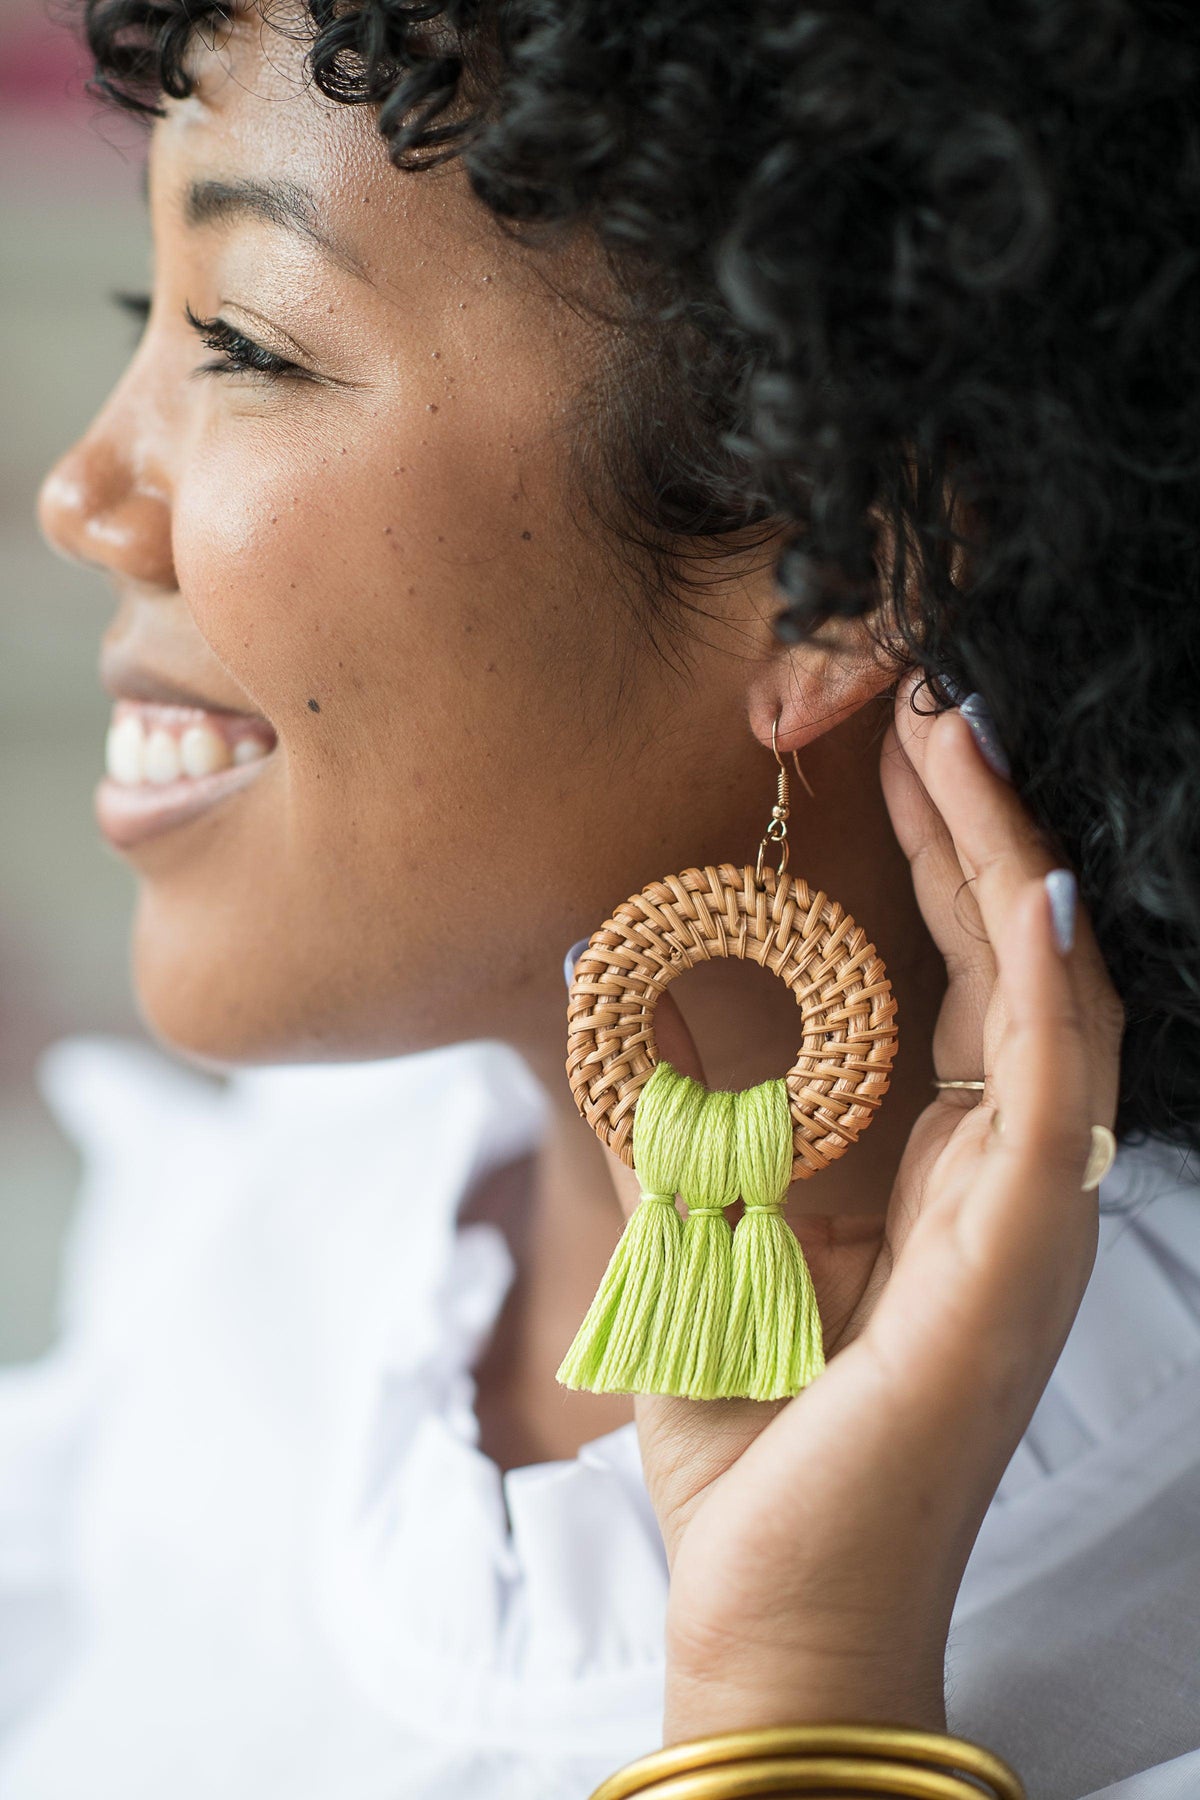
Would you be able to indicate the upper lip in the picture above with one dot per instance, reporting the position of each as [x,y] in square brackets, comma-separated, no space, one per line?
[126,679]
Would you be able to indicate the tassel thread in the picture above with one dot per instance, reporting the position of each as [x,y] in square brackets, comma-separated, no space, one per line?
[691,1307]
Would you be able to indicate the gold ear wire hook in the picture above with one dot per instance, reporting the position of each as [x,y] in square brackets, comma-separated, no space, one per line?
[795,758]
[776,831]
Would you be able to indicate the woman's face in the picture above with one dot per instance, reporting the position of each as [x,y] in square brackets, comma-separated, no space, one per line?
[379,566]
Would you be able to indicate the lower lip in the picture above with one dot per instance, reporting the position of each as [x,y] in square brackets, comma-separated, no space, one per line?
[128,815]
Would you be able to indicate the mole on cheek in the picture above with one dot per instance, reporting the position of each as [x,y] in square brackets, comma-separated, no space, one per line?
[314,706]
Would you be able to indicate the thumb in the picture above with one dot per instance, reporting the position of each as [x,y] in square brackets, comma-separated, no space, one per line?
[675,1042]
[675,1045]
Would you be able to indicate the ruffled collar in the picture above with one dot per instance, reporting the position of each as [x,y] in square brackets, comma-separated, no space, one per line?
[513,1609]
[522,1609]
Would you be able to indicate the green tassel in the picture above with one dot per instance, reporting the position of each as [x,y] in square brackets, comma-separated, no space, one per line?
[691,1307]
[625,1332]
[775,1345]
[708,1183]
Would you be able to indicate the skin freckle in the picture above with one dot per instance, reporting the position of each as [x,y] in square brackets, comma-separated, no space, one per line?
[313,706]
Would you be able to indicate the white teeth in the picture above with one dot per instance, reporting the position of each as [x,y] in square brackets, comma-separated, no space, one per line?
[132,755]
[162,757]
[249,749]
[124,751]
[202,751]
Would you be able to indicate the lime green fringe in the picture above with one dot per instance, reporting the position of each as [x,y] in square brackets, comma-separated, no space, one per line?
[690,1306]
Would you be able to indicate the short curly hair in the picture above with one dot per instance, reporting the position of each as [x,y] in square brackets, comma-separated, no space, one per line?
[897,265]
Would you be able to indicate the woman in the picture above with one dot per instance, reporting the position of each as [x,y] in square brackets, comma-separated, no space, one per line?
[553,348]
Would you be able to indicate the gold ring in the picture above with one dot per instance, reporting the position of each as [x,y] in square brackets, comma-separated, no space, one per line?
[1101,1156]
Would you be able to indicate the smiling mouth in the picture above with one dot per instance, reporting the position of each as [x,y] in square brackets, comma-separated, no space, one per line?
[167,763]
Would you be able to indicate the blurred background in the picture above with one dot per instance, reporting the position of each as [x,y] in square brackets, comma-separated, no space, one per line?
[72,228]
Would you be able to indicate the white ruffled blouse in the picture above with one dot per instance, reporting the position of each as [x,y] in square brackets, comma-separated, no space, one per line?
[250,1548]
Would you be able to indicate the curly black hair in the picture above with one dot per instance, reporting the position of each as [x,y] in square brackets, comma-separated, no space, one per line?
[921,275]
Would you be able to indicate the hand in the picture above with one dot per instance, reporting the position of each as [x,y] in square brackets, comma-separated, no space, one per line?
[817,1544]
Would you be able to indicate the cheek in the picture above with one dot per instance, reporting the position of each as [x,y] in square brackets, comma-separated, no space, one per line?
[419,576]
[282,558]
[337,562]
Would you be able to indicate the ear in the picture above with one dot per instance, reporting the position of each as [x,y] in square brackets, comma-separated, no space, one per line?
[810,687]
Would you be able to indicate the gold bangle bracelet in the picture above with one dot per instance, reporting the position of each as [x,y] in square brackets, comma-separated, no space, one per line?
[770,1778]
[804,1759]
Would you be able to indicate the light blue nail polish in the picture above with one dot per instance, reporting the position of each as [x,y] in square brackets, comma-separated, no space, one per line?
[974,710]
[571,958]
[950,687]
[1063,890]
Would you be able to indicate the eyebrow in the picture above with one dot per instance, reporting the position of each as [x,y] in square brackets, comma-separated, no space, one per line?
[217,201]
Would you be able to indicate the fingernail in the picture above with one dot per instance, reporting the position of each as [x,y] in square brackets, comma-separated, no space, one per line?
[974,710]
[951,688]
[1063,890]
[571,958]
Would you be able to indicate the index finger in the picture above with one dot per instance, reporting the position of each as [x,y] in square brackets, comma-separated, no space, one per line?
[1000,847]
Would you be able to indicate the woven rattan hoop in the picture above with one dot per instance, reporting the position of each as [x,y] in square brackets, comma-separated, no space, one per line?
[846,1002]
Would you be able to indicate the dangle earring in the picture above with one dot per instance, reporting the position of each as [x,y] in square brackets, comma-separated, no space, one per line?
[692,1306]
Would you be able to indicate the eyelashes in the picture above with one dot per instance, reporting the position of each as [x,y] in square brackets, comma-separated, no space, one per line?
[239,355]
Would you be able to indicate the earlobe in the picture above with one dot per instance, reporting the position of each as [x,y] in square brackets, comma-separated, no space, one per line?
[807,689]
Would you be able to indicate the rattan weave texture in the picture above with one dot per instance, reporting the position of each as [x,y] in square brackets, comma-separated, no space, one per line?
[848,1010]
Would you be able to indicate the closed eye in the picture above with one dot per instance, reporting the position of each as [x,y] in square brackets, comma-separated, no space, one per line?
[239,354]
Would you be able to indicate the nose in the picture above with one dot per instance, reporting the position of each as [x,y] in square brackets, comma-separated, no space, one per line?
[106,501]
